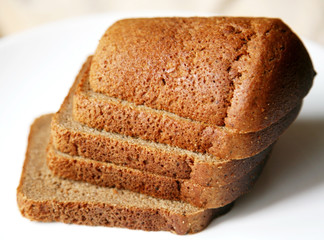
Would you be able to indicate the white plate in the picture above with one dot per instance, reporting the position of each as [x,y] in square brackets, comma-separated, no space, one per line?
[37,70]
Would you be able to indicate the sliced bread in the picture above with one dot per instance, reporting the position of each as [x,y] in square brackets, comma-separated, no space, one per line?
[111,175]
[113,115]
[43,197]
[75,139]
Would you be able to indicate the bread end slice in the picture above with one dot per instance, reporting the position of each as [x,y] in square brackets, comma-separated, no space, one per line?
[44,197]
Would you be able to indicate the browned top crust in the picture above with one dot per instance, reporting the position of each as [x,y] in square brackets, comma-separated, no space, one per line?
[241,73]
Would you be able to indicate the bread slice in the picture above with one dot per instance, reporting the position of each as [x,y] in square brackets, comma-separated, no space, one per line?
[112,115]
[44,197]
[75,139]
[111,175]
[241,73]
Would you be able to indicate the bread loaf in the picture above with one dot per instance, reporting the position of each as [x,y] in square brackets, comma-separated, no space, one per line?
[113,115]
[75,139]
[210,182]
[243,74]
[177,114]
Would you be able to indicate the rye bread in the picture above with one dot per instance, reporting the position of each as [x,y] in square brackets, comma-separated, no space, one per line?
[75,139]
[240,73]
[113,115]
[43,197]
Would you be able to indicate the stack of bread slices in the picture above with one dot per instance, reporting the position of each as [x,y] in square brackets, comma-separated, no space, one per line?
[167,124]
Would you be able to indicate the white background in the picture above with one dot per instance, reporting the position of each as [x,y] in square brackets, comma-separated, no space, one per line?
[37,68]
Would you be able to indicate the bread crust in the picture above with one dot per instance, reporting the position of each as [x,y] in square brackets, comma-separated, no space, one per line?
[241,73]
[112,115]
[95,213]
